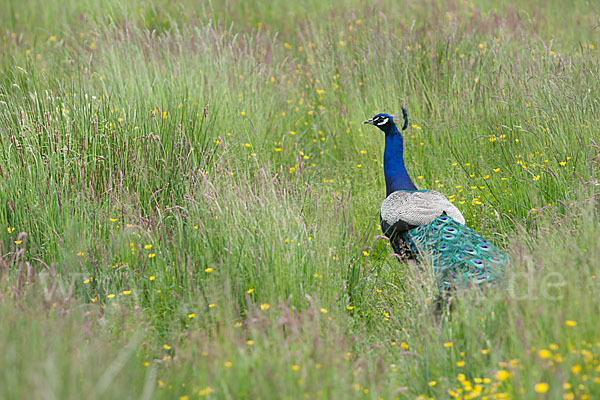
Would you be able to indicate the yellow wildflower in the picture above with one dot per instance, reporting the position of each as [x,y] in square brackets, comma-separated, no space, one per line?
[541,387]
[543,353]
[502,375]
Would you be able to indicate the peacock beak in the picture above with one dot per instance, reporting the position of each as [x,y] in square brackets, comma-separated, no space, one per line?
[369,121]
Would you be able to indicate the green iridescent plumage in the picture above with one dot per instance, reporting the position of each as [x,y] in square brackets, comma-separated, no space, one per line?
[460,256]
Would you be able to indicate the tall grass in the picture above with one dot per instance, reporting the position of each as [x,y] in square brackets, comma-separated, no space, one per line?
[189,202]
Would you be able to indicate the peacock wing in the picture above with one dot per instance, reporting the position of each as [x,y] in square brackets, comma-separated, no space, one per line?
[404,210]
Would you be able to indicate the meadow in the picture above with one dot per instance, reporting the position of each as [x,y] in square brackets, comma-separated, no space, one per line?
[189,203]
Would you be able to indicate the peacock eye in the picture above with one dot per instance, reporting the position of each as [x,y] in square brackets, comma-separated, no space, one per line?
[382,121]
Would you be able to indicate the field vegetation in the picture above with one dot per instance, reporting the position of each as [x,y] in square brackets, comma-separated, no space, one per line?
[189,202]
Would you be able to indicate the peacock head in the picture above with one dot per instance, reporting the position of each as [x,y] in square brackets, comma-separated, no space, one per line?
[385,122]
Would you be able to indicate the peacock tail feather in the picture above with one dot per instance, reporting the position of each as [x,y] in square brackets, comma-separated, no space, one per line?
[460,256]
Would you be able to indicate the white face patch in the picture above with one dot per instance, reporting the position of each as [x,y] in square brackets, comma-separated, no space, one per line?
[383,121]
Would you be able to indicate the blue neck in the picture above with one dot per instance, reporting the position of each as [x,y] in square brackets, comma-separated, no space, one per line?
[396,175]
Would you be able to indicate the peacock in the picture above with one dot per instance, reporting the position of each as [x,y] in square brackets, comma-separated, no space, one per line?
[424,225]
